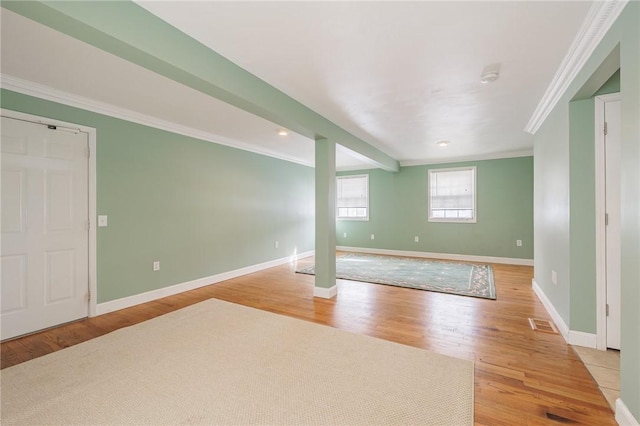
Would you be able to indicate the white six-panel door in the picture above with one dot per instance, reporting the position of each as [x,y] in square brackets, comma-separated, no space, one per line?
[44,247]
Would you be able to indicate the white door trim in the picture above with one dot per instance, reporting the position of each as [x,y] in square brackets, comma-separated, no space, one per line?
[601,265]
[91,136]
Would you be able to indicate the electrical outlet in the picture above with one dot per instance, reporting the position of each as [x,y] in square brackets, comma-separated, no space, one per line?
[373,237]
[276,245]
[156,265]
[416,239]
[344,235]
[554,277]
[519,243]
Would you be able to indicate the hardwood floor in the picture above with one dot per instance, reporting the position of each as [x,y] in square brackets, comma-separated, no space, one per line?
[522,377]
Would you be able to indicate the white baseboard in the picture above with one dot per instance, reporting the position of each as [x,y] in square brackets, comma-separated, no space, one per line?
[555,316]
[624,416]
[572,337]
[580,338]
[445,256]
[325,293]
[126,302]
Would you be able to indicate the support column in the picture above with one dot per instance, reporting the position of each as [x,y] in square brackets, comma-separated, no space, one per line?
[325,280]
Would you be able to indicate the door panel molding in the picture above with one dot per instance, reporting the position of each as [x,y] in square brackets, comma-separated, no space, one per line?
[92,196]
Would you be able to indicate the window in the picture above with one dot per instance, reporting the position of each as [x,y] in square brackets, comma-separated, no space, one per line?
[352,197]
[452,195]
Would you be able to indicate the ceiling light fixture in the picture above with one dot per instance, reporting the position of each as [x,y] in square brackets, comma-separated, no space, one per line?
[490,74]
[283,132]
[443,143]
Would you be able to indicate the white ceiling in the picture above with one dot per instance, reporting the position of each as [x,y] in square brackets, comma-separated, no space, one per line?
[36,53]
[399,75]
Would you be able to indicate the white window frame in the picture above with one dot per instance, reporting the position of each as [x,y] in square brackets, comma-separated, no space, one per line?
[362,218]
[474,217]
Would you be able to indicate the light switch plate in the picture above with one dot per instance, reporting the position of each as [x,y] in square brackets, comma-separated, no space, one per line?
[102,220]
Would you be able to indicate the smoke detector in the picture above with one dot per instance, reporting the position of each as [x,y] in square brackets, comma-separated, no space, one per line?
[490,74]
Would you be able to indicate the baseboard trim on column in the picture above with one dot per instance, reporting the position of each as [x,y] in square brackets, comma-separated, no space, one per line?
[325,293]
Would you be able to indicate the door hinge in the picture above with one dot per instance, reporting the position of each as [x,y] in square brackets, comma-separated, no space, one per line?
[607,309]
[89,296]
[605,128]
[88,152]
[606,219]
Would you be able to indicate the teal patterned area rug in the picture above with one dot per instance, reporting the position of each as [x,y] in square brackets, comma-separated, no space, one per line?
[464,279]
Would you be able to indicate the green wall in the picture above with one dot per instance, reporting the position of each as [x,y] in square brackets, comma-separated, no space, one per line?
[582,216]
[551,209]
[197,207]
[561,186]
[610,86]
[582,203]
[398,212]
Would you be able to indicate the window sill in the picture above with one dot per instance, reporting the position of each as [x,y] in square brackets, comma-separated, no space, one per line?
[453,221]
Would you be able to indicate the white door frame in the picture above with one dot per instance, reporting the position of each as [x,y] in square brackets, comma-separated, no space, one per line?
[91,136]
[601,260]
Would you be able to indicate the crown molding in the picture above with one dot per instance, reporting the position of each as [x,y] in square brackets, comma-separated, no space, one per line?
[354,168]
[494,156]
[599,20]
[41,91]
[450,160]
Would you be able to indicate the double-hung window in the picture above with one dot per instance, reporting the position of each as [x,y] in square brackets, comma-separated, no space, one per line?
[452,195]
[352,197]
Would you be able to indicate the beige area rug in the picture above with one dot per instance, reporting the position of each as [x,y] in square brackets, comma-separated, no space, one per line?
[221,363]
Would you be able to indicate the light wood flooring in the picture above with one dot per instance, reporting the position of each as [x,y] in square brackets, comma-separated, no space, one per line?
[522,377]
